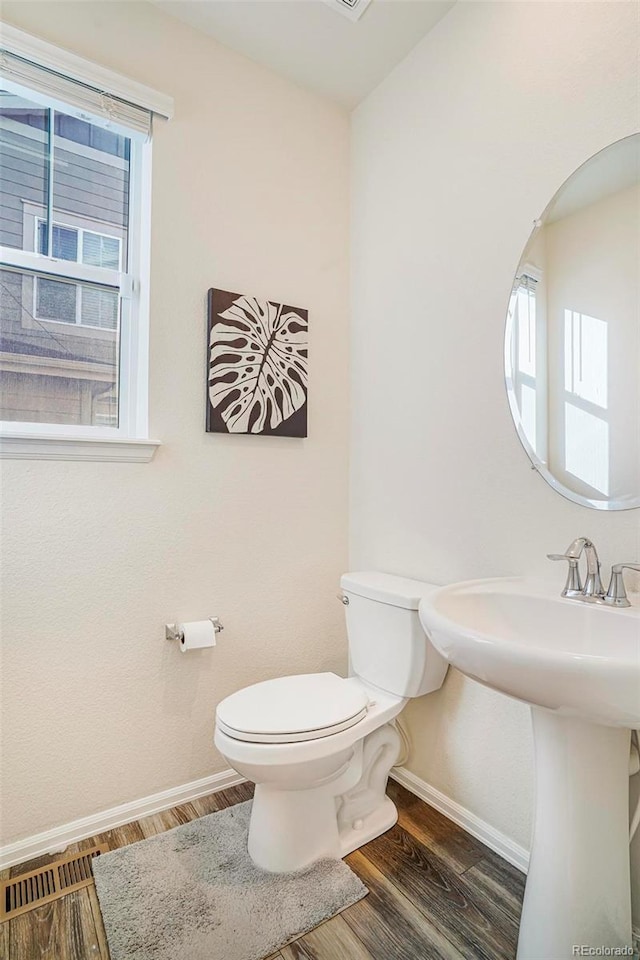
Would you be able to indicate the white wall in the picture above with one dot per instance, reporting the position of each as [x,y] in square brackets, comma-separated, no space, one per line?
[250,194]
[454,155]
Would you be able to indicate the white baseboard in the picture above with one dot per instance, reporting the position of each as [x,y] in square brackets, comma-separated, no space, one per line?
[480,829]
[52,841]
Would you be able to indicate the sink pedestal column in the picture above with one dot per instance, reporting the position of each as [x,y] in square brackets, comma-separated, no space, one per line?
[578,887]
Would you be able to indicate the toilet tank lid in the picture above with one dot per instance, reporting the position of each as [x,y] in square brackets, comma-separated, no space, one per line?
[387,588]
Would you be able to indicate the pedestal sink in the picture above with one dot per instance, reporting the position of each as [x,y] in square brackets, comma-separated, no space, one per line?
[578,665]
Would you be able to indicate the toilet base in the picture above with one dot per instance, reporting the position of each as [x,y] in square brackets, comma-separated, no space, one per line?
[362,831]
[292,828]
[290,831]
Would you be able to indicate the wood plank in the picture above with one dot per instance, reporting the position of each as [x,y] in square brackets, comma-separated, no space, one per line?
[214,802]
[332,940]
[101,934]
[206,805]
[168,819]
[471,921]
[61,930]
[240,793]
[82,938]
[499,881]
[454,845]
[120,836]
[389,924]
[232,795]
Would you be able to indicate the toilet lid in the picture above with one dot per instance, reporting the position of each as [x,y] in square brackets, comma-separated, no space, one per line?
[290,709]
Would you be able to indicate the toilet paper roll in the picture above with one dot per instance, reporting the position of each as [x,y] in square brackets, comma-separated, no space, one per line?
[197,635]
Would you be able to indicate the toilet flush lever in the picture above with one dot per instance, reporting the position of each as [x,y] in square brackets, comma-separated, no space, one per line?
[343,599]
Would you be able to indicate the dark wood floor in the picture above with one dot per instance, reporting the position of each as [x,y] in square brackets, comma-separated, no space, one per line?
[436,893]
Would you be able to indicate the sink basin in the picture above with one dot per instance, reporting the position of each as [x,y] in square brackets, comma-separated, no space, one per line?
[578,667]
[520,637]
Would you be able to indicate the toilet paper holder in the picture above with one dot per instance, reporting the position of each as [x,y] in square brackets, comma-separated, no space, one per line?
[172,631]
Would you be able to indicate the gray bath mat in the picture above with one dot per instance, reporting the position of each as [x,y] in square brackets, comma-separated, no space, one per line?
[193,893]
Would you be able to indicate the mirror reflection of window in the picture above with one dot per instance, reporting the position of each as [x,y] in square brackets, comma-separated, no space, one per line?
[586,444]
[526,318]
[524,326]
[585,357]
[528,413]
[586,441]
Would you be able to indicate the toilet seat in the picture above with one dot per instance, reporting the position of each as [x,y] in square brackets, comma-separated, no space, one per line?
[293,709]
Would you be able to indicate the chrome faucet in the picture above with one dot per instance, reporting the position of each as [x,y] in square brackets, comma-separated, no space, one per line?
[573,588]
[616,595]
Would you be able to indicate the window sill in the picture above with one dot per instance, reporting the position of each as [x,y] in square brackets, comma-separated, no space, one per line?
[26,446]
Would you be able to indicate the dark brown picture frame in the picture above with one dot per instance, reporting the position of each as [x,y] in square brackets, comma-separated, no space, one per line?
[257,363]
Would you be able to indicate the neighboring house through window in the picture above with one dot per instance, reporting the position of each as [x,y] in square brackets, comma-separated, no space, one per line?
[69,303]
[74,235]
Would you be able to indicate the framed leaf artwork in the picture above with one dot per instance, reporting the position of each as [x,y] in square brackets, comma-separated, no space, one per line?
[257,366]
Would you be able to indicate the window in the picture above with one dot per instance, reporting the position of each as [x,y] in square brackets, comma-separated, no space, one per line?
[83,246]
[524,379]
[586,424]
[52,181]
[65,303]
[74,233]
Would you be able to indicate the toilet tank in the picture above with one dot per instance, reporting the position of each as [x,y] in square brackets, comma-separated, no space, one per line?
[387,644]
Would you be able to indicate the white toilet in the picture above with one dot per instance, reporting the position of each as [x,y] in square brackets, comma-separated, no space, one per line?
[318,747]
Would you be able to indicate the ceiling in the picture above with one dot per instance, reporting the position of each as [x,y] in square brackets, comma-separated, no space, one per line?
[313,44]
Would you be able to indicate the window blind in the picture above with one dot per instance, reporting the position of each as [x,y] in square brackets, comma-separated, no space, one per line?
[80,86]
[90,103]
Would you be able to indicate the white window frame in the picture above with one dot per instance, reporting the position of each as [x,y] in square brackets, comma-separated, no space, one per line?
[515,378]
[128,441]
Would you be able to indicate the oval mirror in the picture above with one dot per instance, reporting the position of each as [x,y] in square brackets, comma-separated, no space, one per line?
[572,341]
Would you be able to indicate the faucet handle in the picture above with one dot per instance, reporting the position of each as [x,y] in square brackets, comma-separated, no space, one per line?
[616,595]
[573,586]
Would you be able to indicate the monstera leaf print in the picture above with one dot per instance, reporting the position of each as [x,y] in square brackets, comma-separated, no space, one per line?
[257,365]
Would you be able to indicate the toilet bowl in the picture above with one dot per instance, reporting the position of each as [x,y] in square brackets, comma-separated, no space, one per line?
[320,747]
